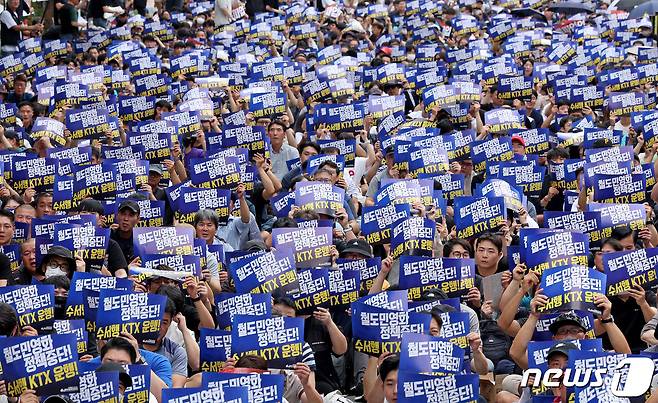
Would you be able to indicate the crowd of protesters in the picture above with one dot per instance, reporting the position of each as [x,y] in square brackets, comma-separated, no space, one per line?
[417,58]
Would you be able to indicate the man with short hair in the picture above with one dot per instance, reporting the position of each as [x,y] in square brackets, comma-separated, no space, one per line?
[306,149]
[122,232]
[281,152]
[6,227]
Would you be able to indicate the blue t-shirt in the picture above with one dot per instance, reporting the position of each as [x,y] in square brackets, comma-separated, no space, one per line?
[159,365]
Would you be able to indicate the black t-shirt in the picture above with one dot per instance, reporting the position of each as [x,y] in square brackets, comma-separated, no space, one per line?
[126,245]
[317,336]
[67,16]
[629,319]
[115,258]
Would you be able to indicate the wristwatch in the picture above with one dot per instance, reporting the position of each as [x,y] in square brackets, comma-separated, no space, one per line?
[609,320]
[197,299]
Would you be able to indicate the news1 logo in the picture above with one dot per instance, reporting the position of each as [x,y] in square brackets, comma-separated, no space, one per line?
[639,369]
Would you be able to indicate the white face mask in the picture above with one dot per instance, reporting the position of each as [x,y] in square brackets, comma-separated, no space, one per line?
[200,21]
[52,271]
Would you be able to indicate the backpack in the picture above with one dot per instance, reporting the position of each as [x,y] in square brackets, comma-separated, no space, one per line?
[495,343]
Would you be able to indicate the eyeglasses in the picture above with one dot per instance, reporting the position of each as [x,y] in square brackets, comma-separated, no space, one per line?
[574,331]
[460,255]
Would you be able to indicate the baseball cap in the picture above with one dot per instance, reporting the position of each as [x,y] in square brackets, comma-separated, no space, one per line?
[114,367]
[389,150]
[157,168]
[129,204]
[91,205]
[566,318]
[433,294]
[562,348]
[359,246]
[519,139]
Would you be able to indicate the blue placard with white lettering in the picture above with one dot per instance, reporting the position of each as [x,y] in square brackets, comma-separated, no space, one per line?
[215,172]
[544,249]
[34,304]
[379,330]
[188,264]
[264,388]
[602,363]
[501,120]
[626,102]
[139,314]
[90,281]
[278,339]
[313,290]
[536,140]
[344,286]
[97,387]
[430,354]
[265,272]
[405,191]
[377,221]
[593,134]
[524,175]
[418,273]
[228,305]
[477,215]
[31,172]
[215,346]
[323,198]
[628,269]
[76,327]
[163,240]
[412,236]
[282,202]
[97,181]
[415,387]
[29,362]
[87,123]
[629,188]
[157,146]
[193,200]
[311,246]
[587,222]
[205,395]
[484,152]
[89,242]
[367,268]
[135,108]
[572,287]
[492,187]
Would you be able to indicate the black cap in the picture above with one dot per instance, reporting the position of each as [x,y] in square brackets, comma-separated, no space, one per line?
[91,205]
[444,308]
[562,348]
[389,150]
[62,252]
[129,204]
[11,134]
[566,318]
[359,246]
[114,367]
[433,294]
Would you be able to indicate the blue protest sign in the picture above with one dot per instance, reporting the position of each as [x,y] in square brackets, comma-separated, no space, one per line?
[412,236]
[262,388]
[524,175]
[278,339]
[377,221]
[544,250]
[454,276]
[88,241]
[543,333]
[475,216]
[215,172]
[228,305]
[90,281]
[379,330]
[501,120]
[34,304]
[188,265]
[414,388]
[572,287]
[265,272]
[139,314]
[198,394]
[76,327]
[98,181]
[97,387]
[628,269]
[429,354]
[491,187]
[311,246]
[313,290]
[629,188]
[32,362]
[163,240]
[193,200]
[587,222]
[215,346]
[344,286]
[484,152]
[367,268]
[319,196]
[626,102]
[31,172]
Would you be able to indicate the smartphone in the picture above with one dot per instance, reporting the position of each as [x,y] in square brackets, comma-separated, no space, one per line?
[440,220]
